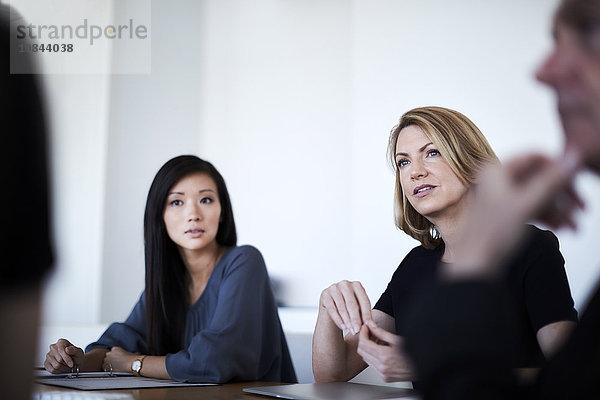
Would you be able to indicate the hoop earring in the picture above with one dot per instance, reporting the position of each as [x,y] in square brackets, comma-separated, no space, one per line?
[435,234]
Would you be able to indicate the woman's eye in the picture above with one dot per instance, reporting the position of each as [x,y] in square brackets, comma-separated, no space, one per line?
[402,163]
[206,200]
[176,203]
[433,153]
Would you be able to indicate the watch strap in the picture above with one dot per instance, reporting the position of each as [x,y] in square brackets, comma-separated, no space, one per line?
[141,360]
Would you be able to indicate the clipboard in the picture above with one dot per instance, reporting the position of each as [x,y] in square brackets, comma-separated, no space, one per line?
[108,381]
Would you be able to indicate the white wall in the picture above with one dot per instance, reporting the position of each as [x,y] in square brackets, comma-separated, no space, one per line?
[293,102]
[152,119]
[77,114]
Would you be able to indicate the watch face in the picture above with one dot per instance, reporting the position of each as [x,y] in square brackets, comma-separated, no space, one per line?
[136,365]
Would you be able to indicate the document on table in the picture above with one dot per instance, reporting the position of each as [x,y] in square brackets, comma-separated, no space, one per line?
[104,381]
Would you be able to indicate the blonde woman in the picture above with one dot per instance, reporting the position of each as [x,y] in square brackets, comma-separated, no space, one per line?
[437,153]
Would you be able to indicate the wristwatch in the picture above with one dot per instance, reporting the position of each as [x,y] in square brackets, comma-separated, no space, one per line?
[136,365]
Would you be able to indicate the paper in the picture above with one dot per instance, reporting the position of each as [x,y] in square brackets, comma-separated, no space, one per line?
[46,374]
[73,395]
[103,381]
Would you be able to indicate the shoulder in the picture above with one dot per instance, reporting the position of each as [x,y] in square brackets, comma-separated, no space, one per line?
[539,242]
[539,247]
[540,237]
[420,255]
[418,263]
[246,252]
[247,257]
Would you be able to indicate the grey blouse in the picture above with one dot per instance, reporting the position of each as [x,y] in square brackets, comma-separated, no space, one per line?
[232,333]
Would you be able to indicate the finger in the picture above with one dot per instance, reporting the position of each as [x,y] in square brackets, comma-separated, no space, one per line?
[524,168]
[74,350]
[66,358]
[340,306]
[557,218]
[352,306]
[59,353]
[56,357]
[370,359]
[76,354]
[575,198]
[562,207]
[332,311]
[365,343]
[363,301]
[55,367]
[367,349]
[382,334]
[560,210]
[540,186]
[51,366]
[62,343]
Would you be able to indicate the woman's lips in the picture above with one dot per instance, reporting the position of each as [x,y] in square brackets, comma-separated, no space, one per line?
[423,190]
[194,233]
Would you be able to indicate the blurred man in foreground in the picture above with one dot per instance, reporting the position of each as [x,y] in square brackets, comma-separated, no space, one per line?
[459,356]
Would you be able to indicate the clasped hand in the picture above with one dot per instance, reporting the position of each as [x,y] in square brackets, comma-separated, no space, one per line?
[383,351]
[63,357]
[118,360]
[528,187]
[348,306]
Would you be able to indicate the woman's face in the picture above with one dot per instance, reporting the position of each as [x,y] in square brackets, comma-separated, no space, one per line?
[428,182]
[193,212]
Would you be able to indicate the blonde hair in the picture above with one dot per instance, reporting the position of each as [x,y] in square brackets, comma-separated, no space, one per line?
[462,146]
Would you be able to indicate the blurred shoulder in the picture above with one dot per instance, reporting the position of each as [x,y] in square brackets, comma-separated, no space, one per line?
[537,237]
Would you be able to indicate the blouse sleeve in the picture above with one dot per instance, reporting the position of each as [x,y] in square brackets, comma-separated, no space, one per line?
[130,335]
[242,341]
[547,293]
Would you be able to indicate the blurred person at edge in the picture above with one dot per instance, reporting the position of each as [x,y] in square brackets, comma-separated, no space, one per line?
[454,348]
[24,220]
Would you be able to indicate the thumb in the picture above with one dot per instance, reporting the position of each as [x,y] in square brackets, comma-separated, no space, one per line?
[382,334]
[74,351]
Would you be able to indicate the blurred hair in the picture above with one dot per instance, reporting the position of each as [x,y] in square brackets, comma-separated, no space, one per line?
[581,15]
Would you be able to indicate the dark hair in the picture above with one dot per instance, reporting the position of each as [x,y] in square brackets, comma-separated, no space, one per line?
[166,289]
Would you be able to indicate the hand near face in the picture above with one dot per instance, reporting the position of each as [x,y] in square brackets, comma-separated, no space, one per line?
[118,360]
[63,357]
[347,304]
[528,187]
[382,350]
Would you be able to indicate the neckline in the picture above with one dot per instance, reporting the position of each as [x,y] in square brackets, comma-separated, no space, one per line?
[211,277]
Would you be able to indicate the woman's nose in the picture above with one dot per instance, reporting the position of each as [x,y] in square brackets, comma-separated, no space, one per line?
[194,213]
[417,170]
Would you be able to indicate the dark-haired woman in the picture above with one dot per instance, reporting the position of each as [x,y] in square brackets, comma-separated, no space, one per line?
[208,313]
